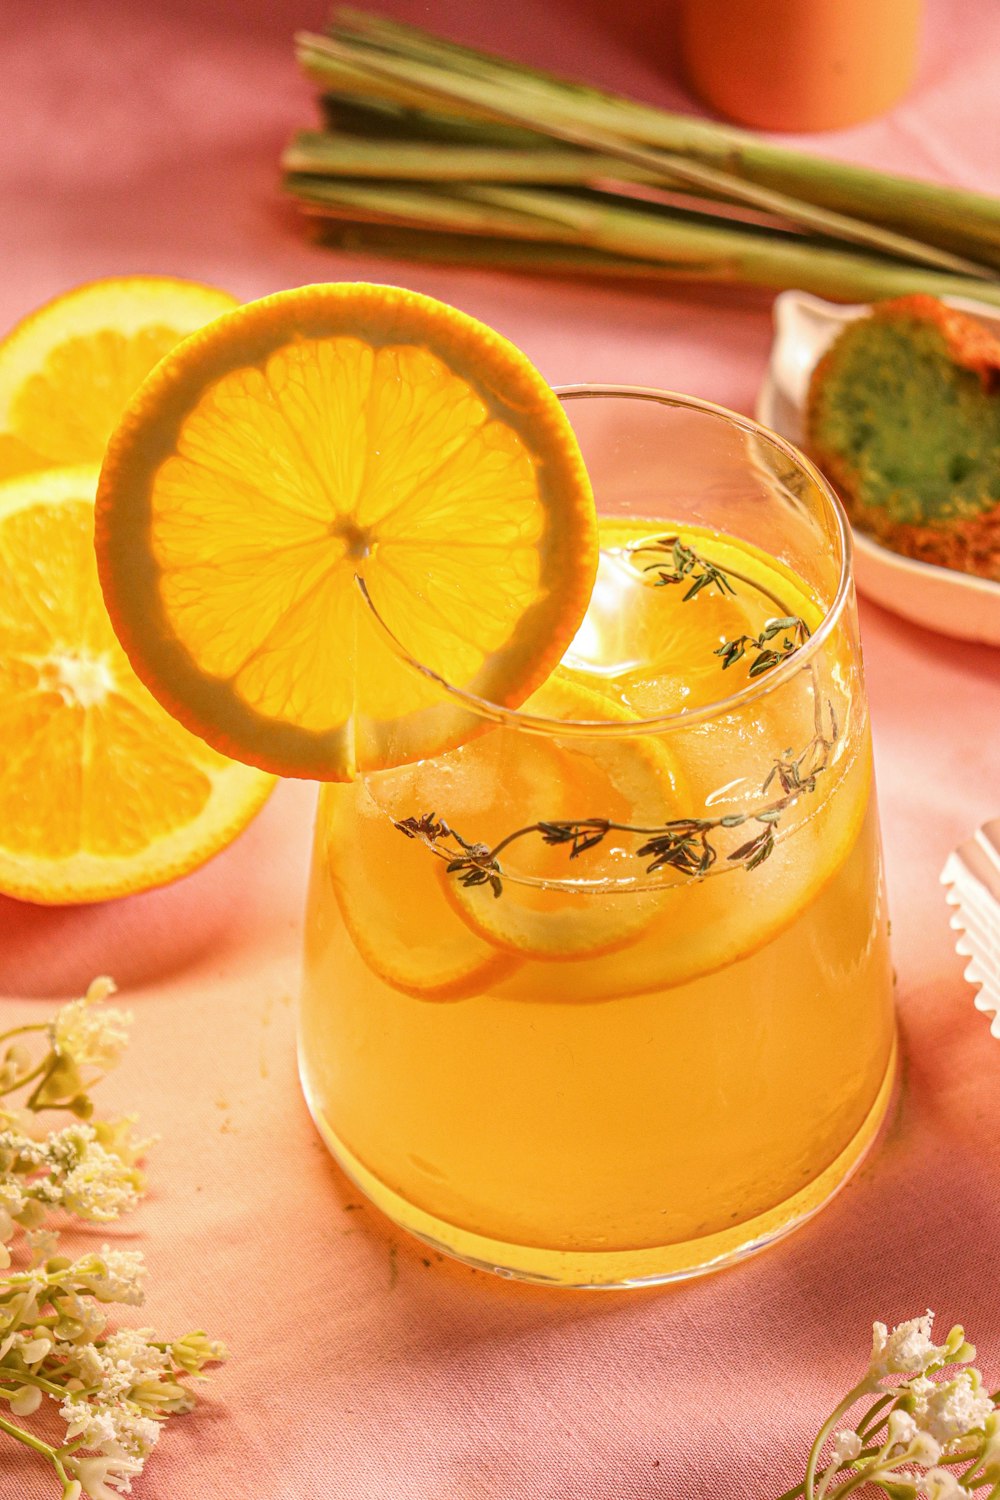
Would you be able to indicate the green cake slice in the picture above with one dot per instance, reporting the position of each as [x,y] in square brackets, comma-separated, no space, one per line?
[903,414]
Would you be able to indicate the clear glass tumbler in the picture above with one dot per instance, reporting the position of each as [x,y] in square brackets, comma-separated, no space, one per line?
[602,996]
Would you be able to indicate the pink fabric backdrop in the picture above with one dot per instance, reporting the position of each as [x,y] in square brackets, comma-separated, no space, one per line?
[145,139]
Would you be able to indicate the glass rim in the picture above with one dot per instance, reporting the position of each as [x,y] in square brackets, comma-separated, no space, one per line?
[517,718]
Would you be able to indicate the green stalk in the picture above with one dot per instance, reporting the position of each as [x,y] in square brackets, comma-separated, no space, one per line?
[402,243]
[337,72]
[398,157]
[519,103]
[422,206]
[685,246]
[380,119]
[952,218]
[30,1441]
[318,154]
[25,1377]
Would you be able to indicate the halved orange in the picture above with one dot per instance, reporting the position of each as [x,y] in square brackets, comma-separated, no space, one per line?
[67,369]
[320,437]
[101,792]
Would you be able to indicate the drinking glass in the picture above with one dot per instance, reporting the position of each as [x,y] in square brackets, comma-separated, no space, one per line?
[601,995]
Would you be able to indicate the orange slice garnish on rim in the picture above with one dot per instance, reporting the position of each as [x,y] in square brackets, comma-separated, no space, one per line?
[313,438]
[101,792]
[69,367]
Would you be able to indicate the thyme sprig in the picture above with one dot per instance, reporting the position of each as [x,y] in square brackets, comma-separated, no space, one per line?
[474,864]
[685,566]
[688,566]
[687,845]
[794,633]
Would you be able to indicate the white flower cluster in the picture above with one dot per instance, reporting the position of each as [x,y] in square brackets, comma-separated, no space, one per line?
[910,1350]
[942,1412]
[922,1438]
[92,1038]
[115,1388]
[84,1169]
[68,1169]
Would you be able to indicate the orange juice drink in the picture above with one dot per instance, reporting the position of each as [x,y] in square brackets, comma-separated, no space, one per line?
[597,987]
[603,994]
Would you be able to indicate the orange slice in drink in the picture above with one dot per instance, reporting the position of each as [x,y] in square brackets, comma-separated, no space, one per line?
[394,908]
[402,908]
[320,437]
[663,641]
[704,926]
[67,370]
[101,792]
[552,906]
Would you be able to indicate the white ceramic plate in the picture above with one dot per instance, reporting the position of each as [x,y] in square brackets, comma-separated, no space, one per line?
[957,604]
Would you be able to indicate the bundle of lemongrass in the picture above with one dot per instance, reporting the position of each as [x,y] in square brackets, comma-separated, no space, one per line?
[435,151]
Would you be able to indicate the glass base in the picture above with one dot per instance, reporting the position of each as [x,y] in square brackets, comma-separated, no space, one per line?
[588,1270]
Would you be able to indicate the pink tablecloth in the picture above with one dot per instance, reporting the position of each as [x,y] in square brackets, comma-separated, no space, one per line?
[144,138]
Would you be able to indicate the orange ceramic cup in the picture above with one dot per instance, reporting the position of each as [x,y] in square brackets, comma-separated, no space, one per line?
[800,64]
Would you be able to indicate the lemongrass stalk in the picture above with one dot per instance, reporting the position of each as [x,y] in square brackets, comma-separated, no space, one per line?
[339,73]
[514,102]
[422,206]
[320,153]
[315,152]
[474,208]
[540,257]
[372,118]
[479,250]
[391,142]
[686,246]
[958,219]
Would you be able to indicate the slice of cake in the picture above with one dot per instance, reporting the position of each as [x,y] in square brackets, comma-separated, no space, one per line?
[903,414]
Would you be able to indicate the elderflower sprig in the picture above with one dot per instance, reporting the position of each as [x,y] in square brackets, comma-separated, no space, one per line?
[81,1039]
[921,1437]
[88,1167]
[113,1388]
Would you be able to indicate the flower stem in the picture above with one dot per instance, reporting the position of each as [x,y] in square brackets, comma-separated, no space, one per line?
[5,1036]
[794,1492]
[798,1489]
[25,1377]
[854,1483]
[865,1427]
[29,1439]
[809,1486]
[48,1067]
[24,1078]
